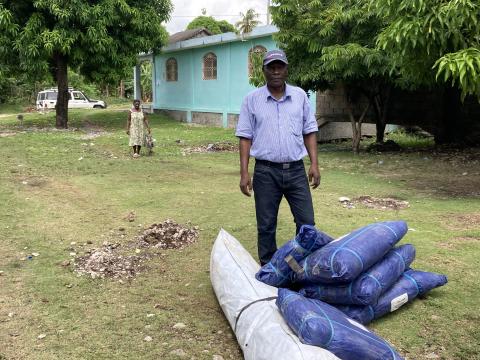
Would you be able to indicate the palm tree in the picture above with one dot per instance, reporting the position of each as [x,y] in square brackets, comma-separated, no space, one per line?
[248,21]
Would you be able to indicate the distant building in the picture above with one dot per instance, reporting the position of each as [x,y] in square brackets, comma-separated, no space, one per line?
[203,79]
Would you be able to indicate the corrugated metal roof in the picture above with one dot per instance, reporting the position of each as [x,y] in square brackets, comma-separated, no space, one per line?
[189,34]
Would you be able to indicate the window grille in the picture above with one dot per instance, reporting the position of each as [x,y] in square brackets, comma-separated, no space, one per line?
[210,66]
[172,70]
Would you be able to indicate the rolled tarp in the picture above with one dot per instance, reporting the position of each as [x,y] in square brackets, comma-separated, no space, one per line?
[411,284]
[278,272]
[249,306]
[344,259]
[367,288]
[318,323]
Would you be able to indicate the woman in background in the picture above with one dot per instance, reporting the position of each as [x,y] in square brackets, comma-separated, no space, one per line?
[136,126]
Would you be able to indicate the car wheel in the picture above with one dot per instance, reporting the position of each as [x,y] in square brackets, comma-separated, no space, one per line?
[98,107]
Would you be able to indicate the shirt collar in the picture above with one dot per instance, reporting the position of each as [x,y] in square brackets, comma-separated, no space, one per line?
[286,95]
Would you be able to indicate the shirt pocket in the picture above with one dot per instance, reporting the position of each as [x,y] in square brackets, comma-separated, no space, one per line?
[296,124]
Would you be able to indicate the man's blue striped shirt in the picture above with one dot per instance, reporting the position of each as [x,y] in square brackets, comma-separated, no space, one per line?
[276,127]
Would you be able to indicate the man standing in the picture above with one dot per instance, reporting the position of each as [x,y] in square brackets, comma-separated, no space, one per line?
[277,127]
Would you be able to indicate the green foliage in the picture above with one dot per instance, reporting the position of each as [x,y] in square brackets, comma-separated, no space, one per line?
[225,26]
[331,42]
[256,79]
[100,38]
[248,22]
[427,35]
[462,68]
[206,22]
[146,81]
[212,25]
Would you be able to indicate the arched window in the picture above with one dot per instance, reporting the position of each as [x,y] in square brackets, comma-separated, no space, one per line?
[260,50]
[210,66]
[172,69]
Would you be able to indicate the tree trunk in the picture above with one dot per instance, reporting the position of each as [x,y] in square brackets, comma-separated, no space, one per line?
[122,89]
[107,91]
[381,103]
[61,65]
[356,127]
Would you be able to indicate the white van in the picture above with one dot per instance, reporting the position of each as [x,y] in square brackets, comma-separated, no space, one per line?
[47,99]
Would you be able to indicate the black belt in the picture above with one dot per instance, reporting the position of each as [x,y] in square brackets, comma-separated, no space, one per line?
[285,165]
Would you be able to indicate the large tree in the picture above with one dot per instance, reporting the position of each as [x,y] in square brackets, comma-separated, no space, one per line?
[435,44]
[331,44]
[97,37]
[212,25]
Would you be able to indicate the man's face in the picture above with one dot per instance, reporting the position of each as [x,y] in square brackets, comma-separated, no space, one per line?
[275,73]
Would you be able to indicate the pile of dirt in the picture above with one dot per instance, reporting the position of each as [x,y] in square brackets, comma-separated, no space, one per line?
[168,235]
[117,261]
[381,203]
[108,262]
[215,147]
[374,203]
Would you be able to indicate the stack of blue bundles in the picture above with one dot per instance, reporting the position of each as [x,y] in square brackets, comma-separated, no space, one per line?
[320,324]
[342,260]
[368,287]
[362,274]
[278,272]
[411,284]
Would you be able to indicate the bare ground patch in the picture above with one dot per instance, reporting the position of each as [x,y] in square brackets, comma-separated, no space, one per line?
[7,133]
[458,241]
[117,261]
[459,222]
[443,172]
[92,131]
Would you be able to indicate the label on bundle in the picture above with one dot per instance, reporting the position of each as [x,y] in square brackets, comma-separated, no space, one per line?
[340,238]
[290,260]
[357,325]
[398,302]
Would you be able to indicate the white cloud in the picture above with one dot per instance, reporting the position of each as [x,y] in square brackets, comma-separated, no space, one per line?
[185,11]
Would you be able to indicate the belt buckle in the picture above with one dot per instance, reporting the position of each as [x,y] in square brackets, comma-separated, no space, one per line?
[286,166]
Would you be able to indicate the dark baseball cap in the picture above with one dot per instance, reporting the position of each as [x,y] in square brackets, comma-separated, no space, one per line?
[275,55]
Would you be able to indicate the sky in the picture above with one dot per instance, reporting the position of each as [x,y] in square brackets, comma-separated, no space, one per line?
[187,10]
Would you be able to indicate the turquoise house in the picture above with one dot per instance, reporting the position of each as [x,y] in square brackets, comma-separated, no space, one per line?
[204,79]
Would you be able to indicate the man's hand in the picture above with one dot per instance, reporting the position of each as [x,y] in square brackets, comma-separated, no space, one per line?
[246,184]
[314,176]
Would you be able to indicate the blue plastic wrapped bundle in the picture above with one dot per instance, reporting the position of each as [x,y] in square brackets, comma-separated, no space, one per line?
[278,272]
[342,260]
[367,288]
[320,324]
[410,285]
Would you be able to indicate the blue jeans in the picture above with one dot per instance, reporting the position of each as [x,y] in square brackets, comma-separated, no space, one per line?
[271,181]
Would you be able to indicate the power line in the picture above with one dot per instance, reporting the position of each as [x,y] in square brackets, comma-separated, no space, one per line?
[174,16]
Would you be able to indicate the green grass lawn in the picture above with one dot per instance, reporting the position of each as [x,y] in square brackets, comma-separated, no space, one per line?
[61,189]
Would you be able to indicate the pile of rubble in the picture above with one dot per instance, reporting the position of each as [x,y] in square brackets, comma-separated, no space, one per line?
[215,147]
[168,235]
[374,203]
[106,261]
[117,261]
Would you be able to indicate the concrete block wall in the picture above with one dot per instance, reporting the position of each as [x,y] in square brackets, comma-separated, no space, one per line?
[207,118]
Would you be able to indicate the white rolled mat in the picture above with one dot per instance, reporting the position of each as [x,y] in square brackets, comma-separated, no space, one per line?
[249,306]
